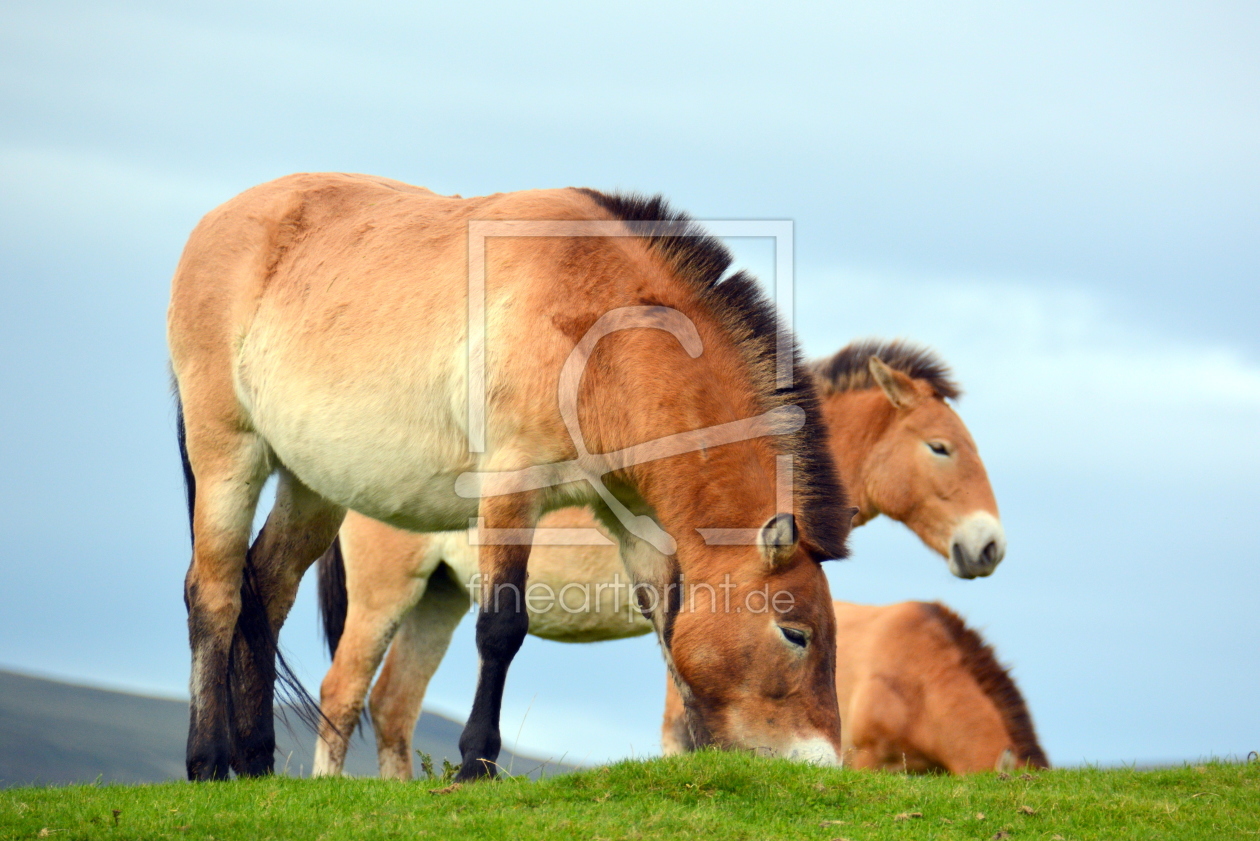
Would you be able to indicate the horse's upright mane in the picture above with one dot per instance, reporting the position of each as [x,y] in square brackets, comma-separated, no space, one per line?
[849,369]
[740,306]
[978,658]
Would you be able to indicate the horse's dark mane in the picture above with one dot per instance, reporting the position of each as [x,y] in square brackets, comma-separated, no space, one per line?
[978,658]
[740,306]
[849,369]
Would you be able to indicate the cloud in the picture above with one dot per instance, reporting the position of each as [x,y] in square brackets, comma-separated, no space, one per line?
[52,193]
[1057,375]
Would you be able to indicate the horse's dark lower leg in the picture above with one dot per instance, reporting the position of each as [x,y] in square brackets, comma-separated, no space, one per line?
[253,671]
[501,627]
[207,755]
[499,637]
[299,528]
[267,595]
[209,735]
[208,752]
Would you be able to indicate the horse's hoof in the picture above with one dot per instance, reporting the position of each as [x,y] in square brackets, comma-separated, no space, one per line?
[202,770]
[477,769]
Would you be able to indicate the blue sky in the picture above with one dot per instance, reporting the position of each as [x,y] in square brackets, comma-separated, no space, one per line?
[1062,199]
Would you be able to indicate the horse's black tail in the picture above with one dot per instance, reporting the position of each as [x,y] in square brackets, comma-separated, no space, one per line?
[252,625]
[333,600]
[190,481]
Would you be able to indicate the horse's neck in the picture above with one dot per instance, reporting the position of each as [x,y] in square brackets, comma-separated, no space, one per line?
[729,485]
[689,498]
[856,421]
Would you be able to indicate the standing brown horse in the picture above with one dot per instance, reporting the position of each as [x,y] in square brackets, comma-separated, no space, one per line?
[902,450]
[319,329]
[919,691]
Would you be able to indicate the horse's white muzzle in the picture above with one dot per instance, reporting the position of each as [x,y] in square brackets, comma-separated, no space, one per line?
[814,751]
[977,545]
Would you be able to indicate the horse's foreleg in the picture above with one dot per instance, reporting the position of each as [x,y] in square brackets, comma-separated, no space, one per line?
[299,528]
[501,624]
[646,565]
[419,645]
[229,473]
[675,734]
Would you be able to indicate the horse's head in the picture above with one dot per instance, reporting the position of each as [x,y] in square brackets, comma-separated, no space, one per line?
[925,471]
[755,651]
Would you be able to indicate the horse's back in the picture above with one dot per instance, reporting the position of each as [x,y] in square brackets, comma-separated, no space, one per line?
[328,312]
[862,632]
[269,243]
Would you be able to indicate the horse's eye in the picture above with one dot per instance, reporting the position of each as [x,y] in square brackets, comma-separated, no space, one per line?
[794,636]
[938,448]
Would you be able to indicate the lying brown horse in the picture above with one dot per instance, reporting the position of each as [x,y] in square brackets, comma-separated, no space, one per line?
[320,330]
[919,691]
[902,451]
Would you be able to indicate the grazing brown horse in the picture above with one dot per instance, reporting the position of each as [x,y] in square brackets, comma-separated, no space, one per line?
[902,450]
[319,329]
[919,691]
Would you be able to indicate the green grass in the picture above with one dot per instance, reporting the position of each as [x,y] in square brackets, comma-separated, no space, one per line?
[707,795]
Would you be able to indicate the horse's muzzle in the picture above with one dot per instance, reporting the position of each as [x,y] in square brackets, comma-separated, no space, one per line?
[977,546]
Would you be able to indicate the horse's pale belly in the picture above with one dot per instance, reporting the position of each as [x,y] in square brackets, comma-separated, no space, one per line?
[574,593]
[355,443]
[400,484]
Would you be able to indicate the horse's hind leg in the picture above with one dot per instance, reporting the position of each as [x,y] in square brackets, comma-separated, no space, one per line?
[419,645]
[299,528]
[230,469]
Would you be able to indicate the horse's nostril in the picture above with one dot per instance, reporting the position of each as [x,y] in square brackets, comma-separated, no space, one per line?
[989,556]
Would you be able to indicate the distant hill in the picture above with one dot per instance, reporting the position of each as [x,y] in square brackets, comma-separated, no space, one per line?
[57,733]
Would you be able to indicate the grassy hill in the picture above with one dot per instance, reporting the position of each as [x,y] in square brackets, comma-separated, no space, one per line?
[57,733]
[707,795]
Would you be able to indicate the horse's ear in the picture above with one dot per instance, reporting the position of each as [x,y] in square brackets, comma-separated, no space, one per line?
[777,538]
[898,387]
